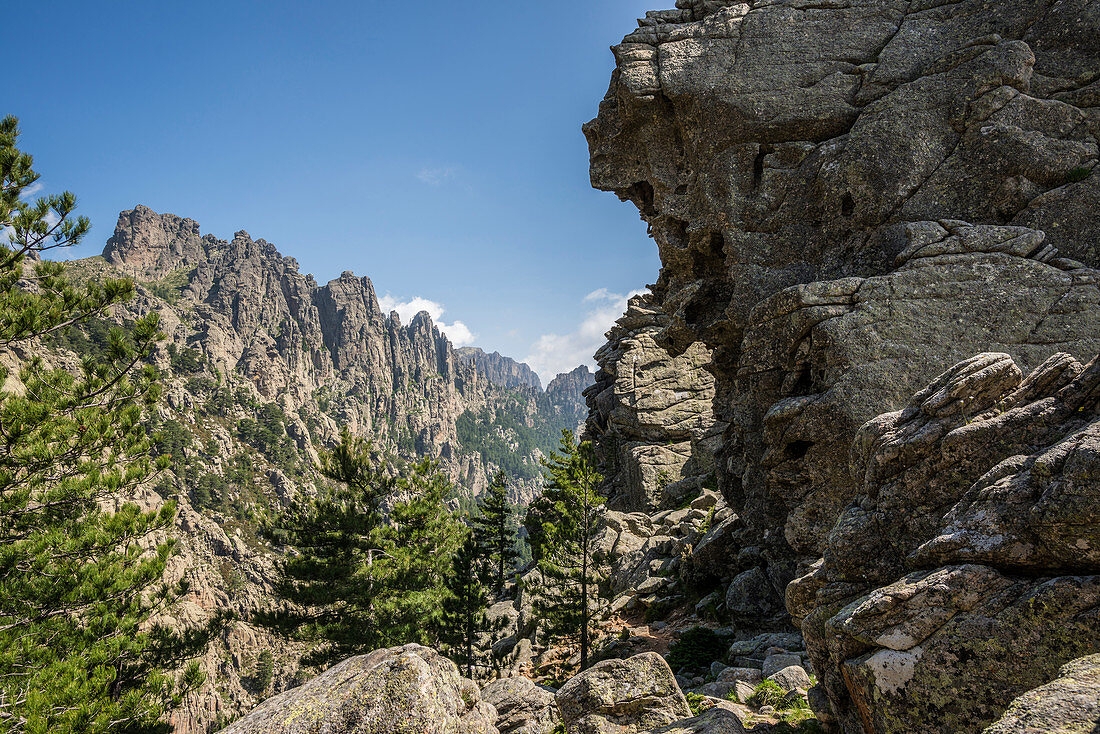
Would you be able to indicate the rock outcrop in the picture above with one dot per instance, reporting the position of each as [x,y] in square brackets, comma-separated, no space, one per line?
[848,198]
[500,370]
[942,611]
[1067,705]
[622,697]
[401,690]
[522,707]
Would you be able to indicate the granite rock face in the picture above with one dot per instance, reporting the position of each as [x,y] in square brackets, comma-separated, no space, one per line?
[848,198]
[400,690]
[499,369]
[522,707]
[1067,705]
[798,165]
[942,610]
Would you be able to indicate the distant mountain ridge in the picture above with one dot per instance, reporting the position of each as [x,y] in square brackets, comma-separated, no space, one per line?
[501,370]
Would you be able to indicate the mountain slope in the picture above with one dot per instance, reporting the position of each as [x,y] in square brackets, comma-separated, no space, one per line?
[262,367]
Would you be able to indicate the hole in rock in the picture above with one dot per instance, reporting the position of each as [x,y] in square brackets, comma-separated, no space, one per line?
[847,205]
[798,449]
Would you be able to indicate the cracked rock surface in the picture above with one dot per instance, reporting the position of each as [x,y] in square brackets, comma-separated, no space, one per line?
[849,197]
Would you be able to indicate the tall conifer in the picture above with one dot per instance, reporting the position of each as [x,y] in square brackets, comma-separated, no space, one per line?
[369,557]
[495,532]
[568,601]
[79,583]
[464,608]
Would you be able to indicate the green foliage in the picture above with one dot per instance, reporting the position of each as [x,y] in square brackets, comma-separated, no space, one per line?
[1079,173]
[186,361]
[697,703]
[697,647]
[170,441]
[91,337]
[769,693]
[360,578]
[503,437]
[264,672]
[464,608]
[78,583]
[494,530]
[267,433]
[568,601]
[169,288]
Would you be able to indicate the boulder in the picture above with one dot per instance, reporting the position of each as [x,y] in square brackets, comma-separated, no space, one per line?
[400,690]
[522,706]
[1068,705]
[752,676]
[987,586]
[622,697]
[778,661]
[713,721]
[791,678]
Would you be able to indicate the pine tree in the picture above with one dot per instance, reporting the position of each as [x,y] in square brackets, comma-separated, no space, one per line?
[464,608]
[79,583]
[369,556]
[495,532]
[568,601]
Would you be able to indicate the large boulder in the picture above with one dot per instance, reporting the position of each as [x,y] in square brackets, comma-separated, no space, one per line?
[522,707]
[622,697]
[400,690]
[713,721]
[942,611]
[1068,705]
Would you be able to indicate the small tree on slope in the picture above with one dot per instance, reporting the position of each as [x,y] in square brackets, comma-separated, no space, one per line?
[77,584]
[495,533]
[568,602]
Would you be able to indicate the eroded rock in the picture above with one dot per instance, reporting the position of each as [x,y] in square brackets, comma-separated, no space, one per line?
[394,691]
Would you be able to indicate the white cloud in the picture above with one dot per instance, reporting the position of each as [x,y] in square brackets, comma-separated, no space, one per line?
[436,176]
[553,354]
[459,334]
[31,190]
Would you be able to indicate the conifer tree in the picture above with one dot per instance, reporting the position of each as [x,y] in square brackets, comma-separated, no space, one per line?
[79,583]
[495,532]
[369,557]
[464,607]
[568,600]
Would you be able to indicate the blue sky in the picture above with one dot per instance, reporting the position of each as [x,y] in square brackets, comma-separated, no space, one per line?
[435,147]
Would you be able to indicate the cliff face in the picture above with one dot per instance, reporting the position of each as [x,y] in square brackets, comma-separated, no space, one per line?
[262,367]
[848,198]
[501,370]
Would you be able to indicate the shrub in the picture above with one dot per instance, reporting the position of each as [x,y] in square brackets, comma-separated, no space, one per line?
[697,647]
[768,693]
[697,703]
